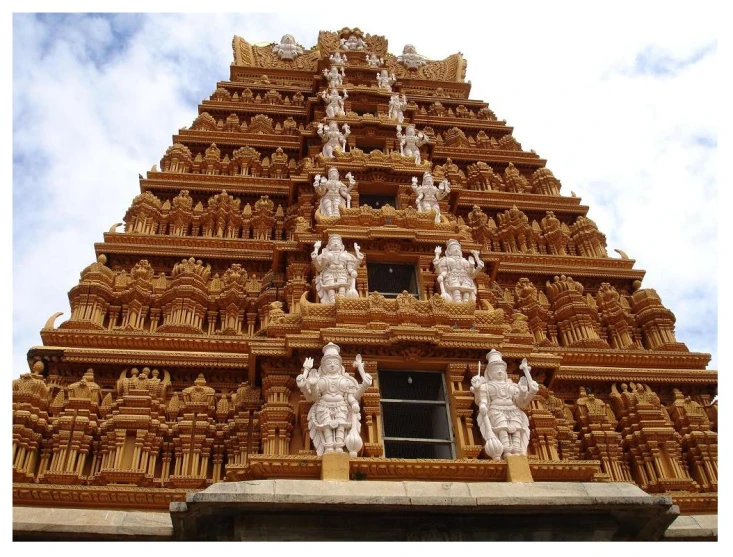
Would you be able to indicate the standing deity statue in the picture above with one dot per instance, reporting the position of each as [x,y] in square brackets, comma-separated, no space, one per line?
[334,420]
[428,194]
[410,58]
[333,192]
[411,142]
[456,273]
[336,270]
[338,59]
[385,81]
[332,138]
[334,103]
[373,61]
[334,77]
[288,49]
[353,43]
[396,105]
[503,424]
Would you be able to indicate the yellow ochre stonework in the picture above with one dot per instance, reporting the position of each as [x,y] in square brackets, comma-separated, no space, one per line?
[177,366]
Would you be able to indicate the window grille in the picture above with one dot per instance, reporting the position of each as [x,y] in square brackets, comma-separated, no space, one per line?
[415,416]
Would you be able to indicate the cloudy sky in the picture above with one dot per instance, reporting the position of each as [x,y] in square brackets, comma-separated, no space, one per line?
[620,103]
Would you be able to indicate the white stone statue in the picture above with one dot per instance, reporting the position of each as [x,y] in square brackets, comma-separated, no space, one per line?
[334,420]
[334,193]
[396,105]
[503,424]
[353,43]
[288,49]
[373,61]
[456,273]
[334,102]
[338,59]
[385,81]
[332,138]
[428,194]
[334,77]
[411,142]
[336,270]
[410,58]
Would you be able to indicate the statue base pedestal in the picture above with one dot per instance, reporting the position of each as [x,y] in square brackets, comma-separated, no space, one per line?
[517,469]
[335,467]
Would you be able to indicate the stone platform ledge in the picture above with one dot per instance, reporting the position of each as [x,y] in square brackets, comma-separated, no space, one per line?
[294,509]
[694,527]
[43,523]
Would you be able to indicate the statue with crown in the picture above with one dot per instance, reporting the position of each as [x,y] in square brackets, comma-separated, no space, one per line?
[334,420]
[502,422]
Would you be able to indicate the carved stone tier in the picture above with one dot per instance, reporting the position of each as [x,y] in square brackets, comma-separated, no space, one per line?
[174,182]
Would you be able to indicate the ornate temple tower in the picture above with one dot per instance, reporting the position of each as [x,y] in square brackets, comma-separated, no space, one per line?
[177,368]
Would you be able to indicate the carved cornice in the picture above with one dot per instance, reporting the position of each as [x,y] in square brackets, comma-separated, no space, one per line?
[254,108]
[520,159]
[549,265]
[632,358]
[195,359]
[183,246]
[239,139]
[254,186]
[617,375]
[108,497]
[501,201]
[696,503]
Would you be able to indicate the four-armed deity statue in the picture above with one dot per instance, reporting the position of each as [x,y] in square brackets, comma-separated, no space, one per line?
[373,61]
[411,142]
[336,270]
[332,138]
[334,420]
[334,102]
[334,193]
[385,81]
[503,423]
[397,104]
[428,194]
[353,43]
[334,77]
[456,273]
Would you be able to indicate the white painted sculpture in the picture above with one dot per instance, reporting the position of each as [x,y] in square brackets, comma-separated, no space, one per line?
[334,77]
[334,420]
[337,270]
[410,58]
[373,61]
[411,142]
[332,138]
[456,273]
[334,102]
[353,43]
[428,194]
[503,424]
[338,59]
[385,81]
[334,193]
[396,106]
[288,49]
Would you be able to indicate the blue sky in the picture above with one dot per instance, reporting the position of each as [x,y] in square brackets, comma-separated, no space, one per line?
[622,108]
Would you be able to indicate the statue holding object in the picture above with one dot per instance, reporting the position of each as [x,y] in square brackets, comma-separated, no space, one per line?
[411,142]
[334,420]
[332,138]
[397,105]
[456,273]
[337,270]
[503,423]
[428,194]
[334,193]
[334,102]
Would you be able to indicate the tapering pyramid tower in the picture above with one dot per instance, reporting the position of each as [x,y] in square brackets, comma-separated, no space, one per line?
[177,368]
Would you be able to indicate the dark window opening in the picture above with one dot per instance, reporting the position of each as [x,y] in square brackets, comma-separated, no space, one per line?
[391,279]
[377,201]
[415,416]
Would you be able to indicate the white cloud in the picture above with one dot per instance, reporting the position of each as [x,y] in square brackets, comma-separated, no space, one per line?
[93,108]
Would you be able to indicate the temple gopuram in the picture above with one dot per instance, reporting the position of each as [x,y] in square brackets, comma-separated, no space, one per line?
[347,305]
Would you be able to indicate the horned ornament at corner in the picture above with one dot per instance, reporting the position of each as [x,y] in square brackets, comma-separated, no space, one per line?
[502,422]
[334,420]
